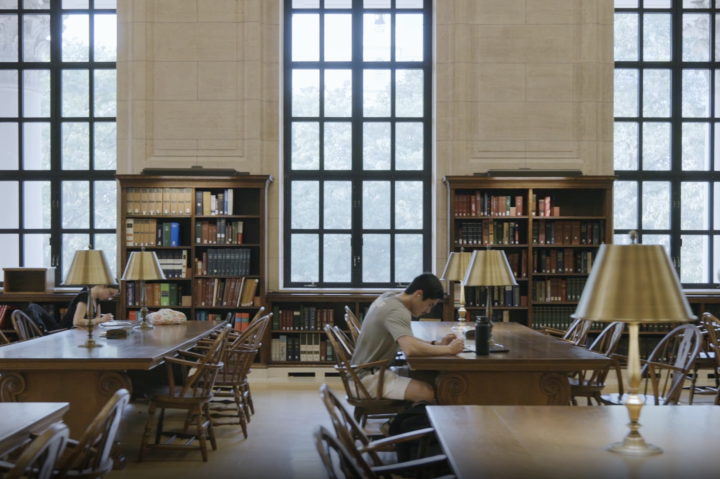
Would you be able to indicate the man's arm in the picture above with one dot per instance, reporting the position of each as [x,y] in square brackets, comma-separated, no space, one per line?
[412,346]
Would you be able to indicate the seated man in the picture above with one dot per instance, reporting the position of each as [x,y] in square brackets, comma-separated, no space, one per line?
[386,329]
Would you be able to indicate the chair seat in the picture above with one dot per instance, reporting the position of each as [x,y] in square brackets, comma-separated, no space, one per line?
[163,395]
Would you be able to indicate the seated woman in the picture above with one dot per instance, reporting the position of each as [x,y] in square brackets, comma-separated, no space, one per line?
[77,310]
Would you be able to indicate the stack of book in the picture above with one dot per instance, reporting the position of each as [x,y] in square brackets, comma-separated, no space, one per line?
[231,292]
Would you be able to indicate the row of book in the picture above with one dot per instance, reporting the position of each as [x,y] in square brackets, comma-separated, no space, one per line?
[507,296]
[156,294]
[231,292]
[562,261]
[483,204]
[558,290]
[301,348]
[208,203]
[307,318]
[219,231]
[150,232]
[489,232]
[158,201]
[557,317]
[568,232]
[224,262]
[518,263]
[174,263]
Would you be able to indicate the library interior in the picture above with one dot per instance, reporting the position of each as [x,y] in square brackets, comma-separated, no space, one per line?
[359,238]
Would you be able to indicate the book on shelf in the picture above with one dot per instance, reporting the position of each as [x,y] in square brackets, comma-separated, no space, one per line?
[300,347]
[481,204]
[212,204]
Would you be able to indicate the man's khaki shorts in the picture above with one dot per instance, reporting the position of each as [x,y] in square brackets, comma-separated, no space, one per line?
[394,386]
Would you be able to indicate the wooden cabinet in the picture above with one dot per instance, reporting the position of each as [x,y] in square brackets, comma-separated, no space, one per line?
[209,234]
[550,230]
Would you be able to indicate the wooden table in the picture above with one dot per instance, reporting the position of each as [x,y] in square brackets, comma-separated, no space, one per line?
[53,368]
[569,442]
[19,420]
[533,372]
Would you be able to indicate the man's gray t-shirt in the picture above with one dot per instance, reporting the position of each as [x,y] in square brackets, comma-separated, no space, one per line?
[386,321]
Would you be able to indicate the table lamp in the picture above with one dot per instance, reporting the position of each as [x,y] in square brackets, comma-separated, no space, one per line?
[488,268]
[89,268]
[143,266]
[634,284]
[455,271]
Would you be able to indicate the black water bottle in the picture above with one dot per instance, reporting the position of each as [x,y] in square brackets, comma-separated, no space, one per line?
[482,336]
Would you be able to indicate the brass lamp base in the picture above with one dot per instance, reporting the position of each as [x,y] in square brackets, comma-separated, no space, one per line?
[90,343]
[634,445]
[144,324]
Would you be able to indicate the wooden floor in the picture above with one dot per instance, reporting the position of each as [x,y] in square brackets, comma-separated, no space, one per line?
[279,443]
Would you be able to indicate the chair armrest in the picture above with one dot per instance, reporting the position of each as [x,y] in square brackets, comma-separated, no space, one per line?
[191,354]
[408,436]
[6,466]
[181,362]
[404,466]
[548,331]
[374,364]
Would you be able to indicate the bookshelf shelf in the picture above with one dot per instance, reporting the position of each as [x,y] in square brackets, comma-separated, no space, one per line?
[188,197]
[560,275]
[563,246]
[232,217]
[575,209]
[588,218]
[241,245]
[159,248]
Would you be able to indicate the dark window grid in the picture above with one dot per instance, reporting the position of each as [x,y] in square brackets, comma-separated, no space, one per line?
[56,175]
[357,121]
[675,176]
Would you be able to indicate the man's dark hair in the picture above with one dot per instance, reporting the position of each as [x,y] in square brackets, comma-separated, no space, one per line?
[429,284]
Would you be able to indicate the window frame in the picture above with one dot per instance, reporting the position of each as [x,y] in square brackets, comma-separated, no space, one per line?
[56,175]
[676,176]
[356,175]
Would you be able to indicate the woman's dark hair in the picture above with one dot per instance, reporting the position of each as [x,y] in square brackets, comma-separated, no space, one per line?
[429,284]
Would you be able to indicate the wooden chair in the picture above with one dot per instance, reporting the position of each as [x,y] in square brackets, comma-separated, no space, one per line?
[245,385]
[708,358]
[355,455]
[237,360]
[357,395]
[576,333]
[332,452]
[38,460]
[353,324]
[194,397]
[664,372]
[347,343]
[90,456]
[24,327]
[589,384]
[3,339]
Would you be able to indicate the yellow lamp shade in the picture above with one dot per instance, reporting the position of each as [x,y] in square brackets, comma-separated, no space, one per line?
[456,266]
[143,265]
[489,267]
[633,283]
[89,267]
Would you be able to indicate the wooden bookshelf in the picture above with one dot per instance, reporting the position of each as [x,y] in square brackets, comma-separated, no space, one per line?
[477,204]
[301,305]
[186,201]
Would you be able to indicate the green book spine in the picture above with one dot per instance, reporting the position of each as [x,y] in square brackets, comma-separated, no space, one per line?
[164,294]
[173,295]
[166,234]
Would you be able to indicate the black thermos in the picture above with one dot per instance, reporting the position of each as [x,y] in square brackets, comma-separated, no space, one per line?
[482,336]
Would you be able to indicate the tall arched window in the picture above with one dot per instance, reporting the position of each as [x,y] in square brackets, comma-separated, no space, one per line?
[57,130]
[667,135]
[357,142]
